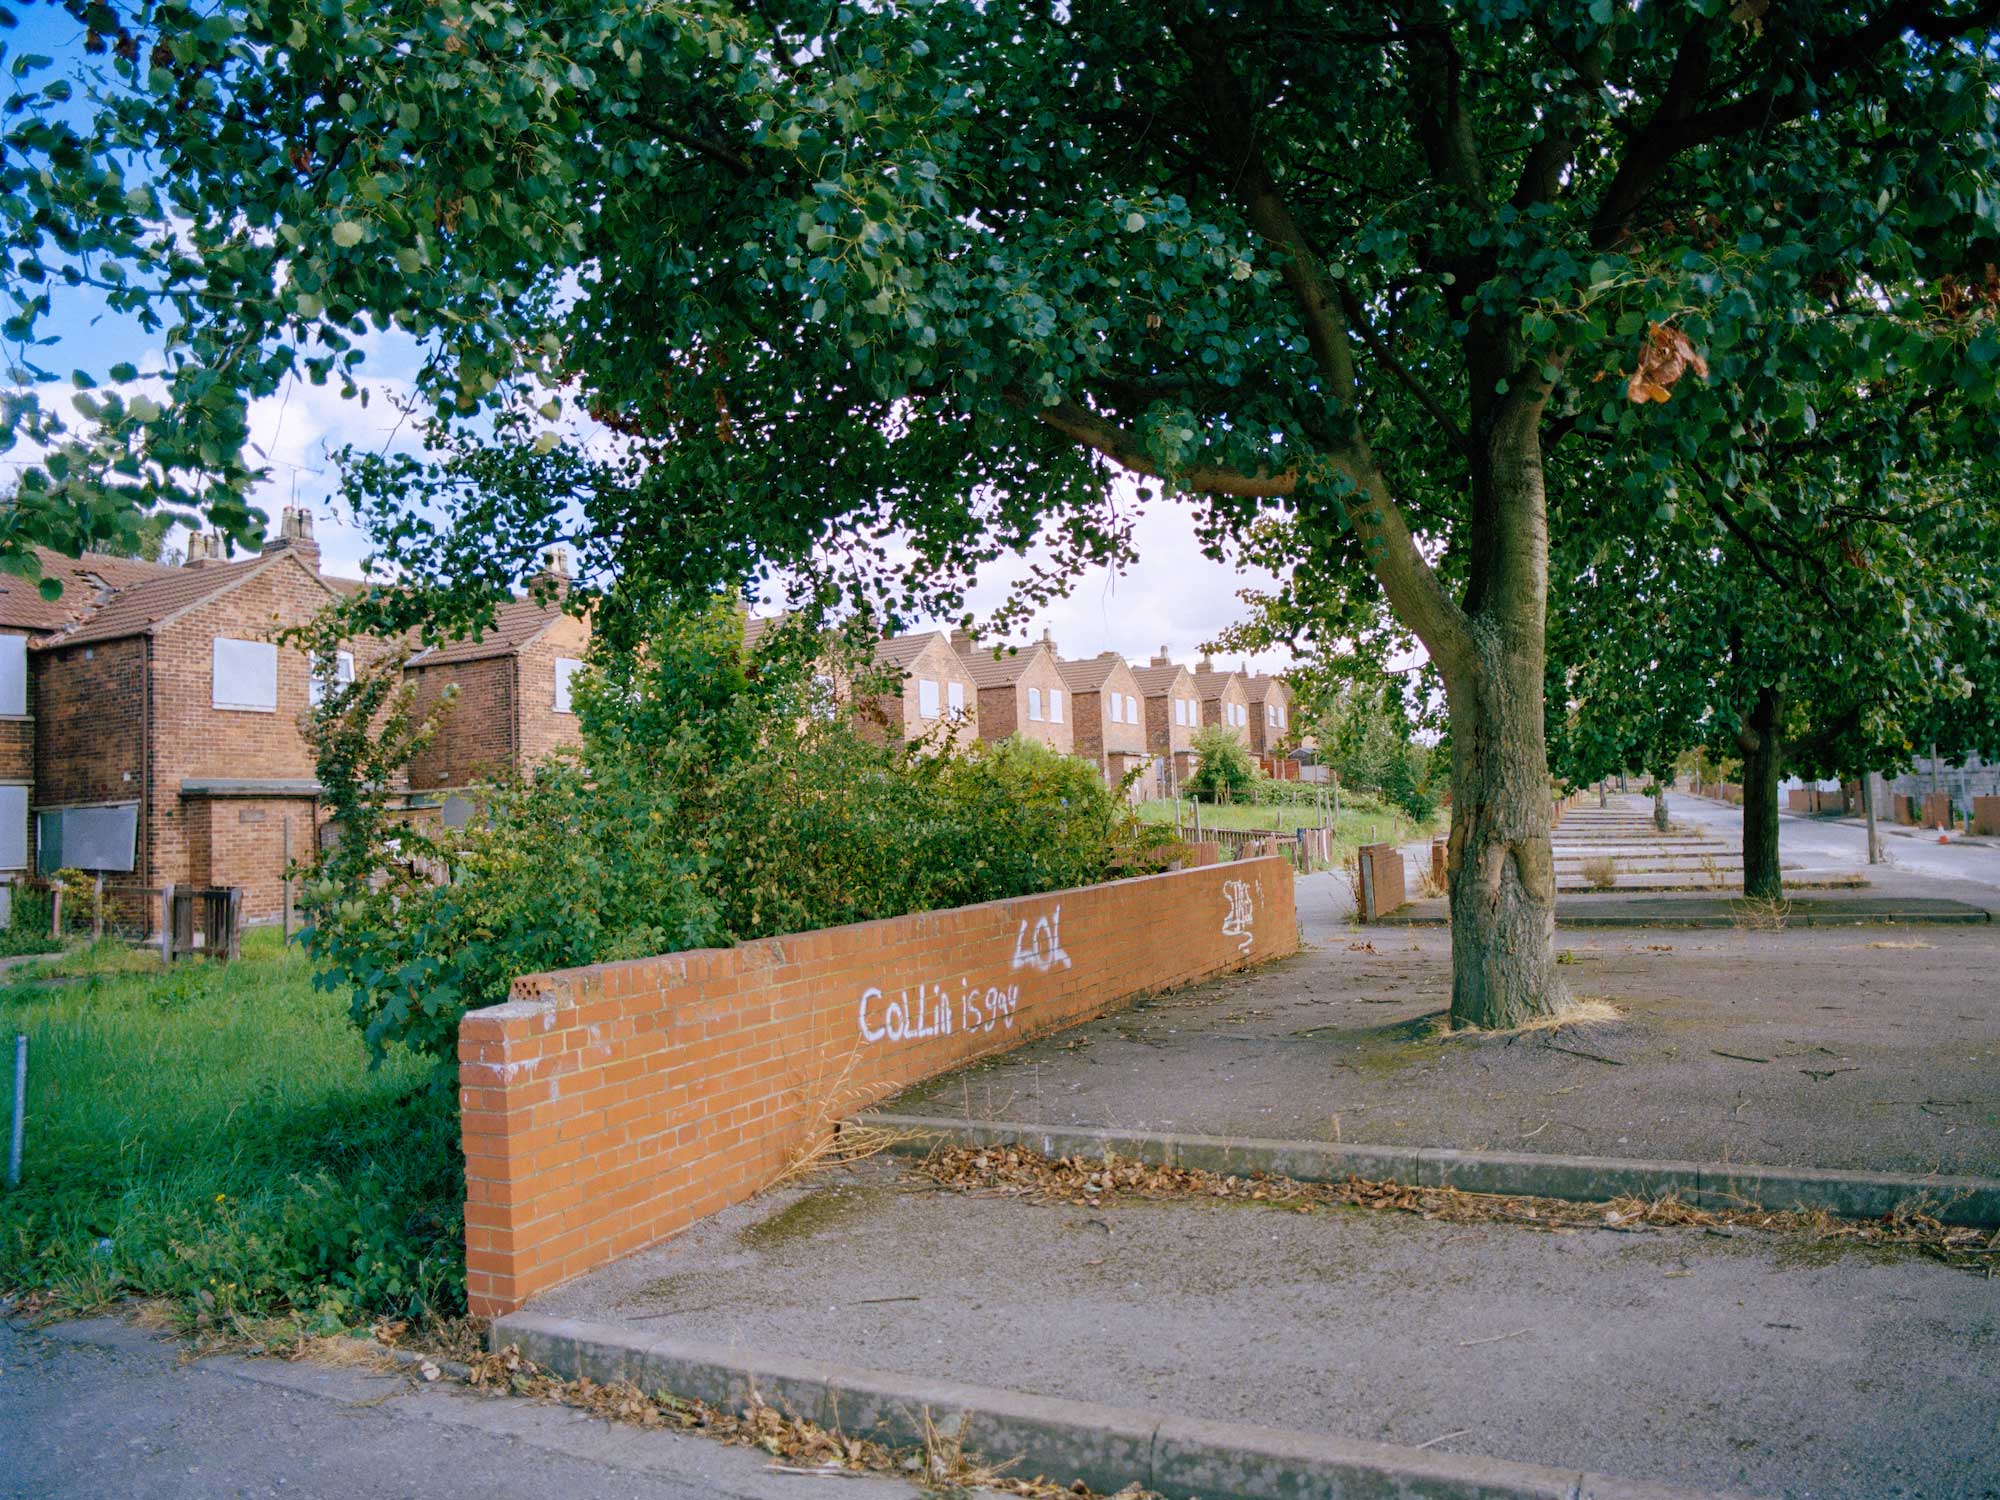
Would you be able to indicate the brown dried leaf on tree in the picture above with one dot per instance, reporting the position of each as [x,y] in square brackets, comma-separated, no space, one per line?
[1666,355]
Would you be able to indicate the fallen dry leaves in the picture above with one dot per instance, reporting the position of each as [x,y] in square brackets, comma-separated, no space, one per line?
[794,1444]
[1016,1172]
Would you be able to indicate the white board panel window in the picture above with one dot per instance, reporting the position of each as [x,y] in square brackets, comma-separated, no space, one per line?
[927,698]
[245,675]
[1035,705]
[954,695]
[1055,705]
[13,828]
[13,674]
[327,676]
[1180,711]
[566,668]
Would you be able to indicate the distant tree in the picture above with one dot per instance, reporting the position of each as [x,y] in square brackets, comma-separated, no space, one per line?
[1223,769]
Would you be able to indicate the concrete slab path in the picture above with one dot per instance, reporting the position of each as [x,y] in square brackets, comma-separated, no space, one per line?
[1674,1357]
[1855,1048]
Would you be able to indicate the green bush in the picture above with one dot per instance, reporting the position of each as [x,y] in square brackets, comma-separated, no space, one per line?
[28,931]
[1223,768]
[714,802]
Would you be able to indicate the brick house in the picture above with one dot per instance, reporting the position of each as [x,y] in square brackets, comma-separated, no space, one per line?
[1173,714]
[1109,725]
[513,709]
[1224,698]
[168,739]
[938,691]
[1021,691]
[1271,701]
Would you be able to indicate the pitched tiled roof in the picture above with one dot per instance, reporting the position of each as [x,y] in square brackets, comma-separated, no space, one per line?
[85,580]
[515,624]
[136,610]
[1259,686]
[903,650]
[1089,676]
[1154,681]
[1213,684]
[1004,670]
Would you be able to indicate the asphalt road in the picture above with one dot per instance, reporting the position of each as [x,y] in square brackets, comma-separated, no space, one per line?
[1833,843]
[96,1409]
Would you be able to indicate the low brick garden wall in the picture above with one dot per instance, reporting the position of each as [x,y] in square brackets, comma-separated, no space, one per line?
[609,1107]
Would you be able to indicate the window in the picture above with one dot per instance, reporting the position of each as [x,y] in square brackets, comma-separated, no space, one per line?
[13,674]
[954,696]
[13,828]
[566,668]
[324,681]
[87,838]
[1271,714]
[1180,711]
[1035,705]
[927,698]
[246,676]
[1279,710]
[1131,710]
[1055,705]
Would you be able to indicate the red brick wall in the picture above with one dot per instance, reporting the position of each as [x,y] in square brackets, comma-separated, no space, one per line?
[241,841]
[544,731]
[475,739]
[1384,879]
[609,1107]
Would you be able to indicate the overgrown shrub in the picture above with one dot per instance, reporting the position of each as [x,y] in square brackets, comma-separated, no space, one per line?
[1223,768]
[715,801]
[29,929]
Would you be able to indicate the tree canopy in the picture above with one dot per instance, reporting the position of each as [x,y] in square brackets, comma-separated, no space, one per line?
[874,291]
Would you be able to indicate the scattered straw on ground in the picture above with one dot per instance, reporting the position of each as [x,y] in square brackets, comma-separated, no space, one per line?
[1579,1011]
[795,1446]
[1015,1172]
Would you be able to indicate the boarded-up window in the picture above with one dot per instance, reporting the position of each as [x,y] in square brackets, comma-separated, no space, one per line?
[566,668]
[13,674]
[1035,704]
[1055,705]
[927,698]
[954,695]
[457,811]
[327,676]
[1131,709]
[13,828]
[246,676]
[87,838]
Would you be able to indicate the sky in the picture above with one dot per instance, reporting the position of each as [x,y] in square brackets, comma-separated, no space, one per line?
[1172,596]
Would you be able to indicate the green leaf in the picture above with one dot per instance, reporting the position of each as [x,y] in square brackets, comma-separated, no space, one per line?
[347,234]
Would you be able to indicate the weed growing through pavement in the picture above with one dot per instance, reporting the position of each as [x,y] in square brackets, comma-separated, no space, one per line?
[1601,872]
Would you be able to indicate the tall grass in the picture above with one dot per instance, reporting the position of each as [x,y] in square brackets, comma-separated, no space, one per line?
[213,1135]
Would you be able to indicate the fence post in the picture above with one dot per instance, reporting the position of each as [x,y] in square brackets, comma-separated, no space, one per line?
[167,925]
[55,915]
[97,906]
[235,922]
[285,894]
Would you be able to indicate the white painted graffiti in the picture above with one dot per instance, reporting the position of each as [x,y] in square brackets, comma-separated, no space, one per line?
[1043,951]
[932,1010]
[1241,913]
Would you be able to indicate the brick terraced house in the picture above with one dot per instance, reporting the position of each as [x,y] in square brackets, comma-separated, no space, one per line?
[1110,723]
[1271,729]
[1224,698]
[939,695]
[1173,714]
[1021,691]
[513,707]
[167,721]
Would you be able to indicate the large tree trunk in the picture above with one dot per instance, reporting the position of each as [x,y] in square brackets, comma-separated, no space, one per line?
[1762,878]
[1503,884]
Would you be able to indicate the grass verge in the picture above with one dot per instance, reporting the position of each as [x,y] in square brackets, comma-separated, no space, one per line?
[213,1136]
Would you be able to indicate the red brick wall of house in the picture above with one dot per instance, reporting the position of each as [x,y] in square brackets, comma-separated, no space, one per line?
[609,1107]
[543,731]
[475,739]
[1211,708]
[1004,711]
[90,706]
[241,841]
[888,714]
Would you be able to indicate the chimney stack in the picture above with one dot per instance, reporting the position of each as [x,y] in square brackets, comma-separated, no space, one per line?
[553,575]
[1162,659]
[203,547]
[295,534]
[1204,665]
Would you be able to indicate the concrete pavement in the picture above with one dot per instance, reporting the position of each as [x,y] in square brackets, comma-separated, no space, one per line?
[1672,1356]
[95,1409]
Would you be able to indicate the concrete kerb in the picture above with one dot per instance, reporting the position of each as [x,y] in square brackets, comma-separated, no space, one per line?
[1588,1179]
[1106,1447]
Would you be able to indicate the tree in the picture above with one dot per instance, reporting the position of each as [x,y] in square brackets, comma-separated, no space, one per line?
[1223,769]
[837,273]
